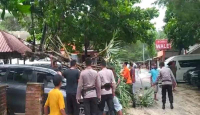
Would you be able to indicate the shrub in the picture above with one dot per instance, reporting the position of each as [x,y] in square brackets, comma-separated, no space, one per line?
[144,98]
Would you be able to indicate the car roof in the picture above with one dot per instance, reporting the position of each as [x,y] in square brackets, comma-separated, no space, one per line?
[189,55]
[41,69]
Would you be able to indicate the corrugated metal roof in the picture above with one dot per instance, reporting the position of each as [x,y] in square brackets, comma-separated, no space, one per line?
[193,48]
[9,43]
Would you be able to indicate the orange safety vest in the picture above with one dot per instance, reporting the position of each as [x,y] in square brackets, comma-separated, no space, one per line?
[126,75]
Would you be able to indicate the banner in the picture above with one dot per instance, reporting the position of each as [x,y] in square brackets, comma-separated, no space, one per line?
[163,44]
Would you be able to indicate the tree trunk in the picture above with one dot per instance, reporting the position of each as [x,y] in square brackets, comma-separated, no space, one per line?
[86,47]
[43,37]
[86,44]
[179,51]
[32,24]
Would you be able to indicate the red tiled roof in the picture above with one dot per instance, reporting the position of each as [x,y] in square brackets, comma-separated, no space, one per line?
[9,43]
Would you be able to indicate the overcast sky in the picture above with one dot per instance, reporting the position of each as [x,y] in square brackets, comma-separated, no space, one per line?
[159,23]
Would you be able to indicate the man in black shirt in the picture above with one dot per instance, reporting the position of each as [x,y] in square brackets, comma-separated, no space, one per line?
[72,76]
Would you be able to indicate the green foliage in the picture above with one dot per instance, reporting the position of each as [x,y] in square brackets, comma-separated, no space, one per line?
[10,24]
[124,94]
[16,7]
[37,36]
[123,91]
[123,51]
[145,98]
[161,35]
[134,51]
[110,54]
[112,48]
[86,21]
[182,18]
[98,22]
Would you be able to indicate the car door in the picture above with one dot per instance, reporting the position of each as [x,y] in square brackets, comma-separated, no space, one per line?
[16,80]
[47,78]
[183,66]
[3,74]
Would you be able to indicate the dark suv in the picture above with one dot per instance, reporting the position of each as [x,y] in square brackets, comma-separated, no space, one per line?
[16,77]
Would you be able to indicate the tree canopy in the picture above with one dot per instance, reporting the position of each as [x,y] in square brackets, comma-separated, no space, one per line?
[161,35]
[134,52]
[84,22]
[182,22]
[10,23]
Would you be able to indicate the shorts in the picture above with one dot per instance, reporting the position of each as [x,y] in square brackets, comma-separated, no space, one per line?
[117,105]
[155,88]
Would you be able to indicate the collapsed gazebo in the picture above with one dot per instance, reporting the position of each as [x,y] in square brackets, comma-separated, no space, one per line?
[11,47]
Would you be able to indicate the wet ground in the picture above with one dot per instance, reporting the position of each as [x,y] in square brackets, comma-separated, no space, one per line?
[186,100]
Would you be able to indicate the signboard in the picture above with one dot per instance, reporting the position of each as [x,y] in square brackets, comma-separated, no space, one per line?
[163,44]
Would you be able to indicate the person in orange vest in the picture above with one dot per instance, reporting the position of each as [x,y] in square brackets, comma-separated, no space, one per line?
[126,73]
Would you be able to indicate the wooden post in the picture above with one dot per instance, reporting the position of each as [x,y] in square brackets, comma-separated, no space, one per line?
[34,99]
[17,60]
[3,101]
[163,59]
[10,60]
[24,60]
